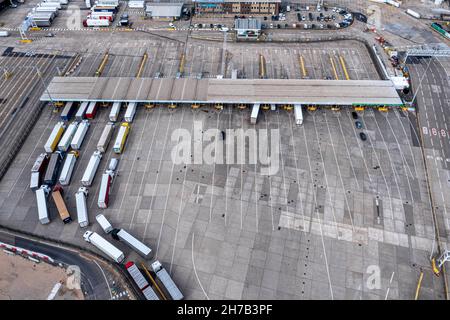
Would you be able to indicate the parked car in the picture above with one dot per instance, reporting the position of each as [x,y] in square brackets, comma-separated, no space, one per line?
[354,115]
[358,124]
[363,136]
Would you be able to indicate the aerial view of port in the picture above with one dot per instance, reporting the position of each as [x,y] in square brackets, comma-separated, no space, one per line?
[224,150]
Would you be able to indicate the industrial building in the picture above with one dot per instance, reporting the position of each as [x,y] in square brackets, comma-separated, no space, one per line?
[247,28]
[164,10]
[235,7]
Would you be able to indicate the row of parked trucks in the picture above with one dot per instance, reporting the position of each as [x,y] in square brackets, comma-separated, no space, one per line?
[44,173]
[45,12]
[166,287]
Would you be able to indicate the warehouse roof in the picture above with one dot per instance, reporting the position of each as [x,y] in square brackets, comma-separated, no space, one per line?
[246,24]
[188,90]
[164,9]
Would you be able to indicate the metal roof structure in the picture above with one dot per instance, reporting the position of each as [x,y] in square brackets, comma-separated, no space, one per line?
[190,90]
[164,9]
[236,1]
[247,24]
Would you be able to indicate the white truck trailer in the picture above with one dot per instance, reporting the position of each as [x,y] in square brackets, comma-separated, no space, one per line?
[50,5]
[133,243]
[163,276]
[54,137]
[104,246]
[67,170]
[298,114]
[130,112]
[67,137]
[413,13]
[103,194]
[80,134]
[41,198]
[115,110]
[91,169]
[104,223]
[82,213]
[254,115]
[96,23]
[105,138]
[38,171]
[81,112]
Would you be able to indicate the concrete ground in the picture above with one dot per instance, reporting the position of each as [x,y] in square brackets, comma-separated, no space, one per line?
[23,279]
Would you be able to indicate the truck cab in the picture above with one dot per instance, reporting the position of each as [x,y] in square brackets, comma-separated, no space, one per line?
[124,21]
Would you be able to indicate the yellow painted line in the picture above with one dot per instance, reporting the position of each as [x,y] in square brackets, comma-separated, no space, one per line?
[262,67]
[419,284]
[302,65]
[182,61]
[142,65]
[153,281]
[334,68]
[344,67]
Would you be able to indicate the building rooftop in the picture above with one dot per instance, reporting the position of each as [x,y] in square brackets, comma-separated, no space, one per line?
[244,1]
[189,90]
[245,24]
[164,9]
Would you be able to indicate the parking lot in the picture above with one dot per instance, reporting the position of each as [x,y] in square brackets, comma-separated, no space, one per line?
[226,231]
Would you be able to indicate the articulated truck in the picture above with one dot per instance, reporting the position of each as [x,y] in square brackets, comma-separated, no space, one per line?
[38,170]
[80,134]
[60,204]
[105,137]
[41,198]
[121,138]
[163,276]
[91,169]
[140,281]
[66,139]
[104,246]
[69,163]
[54,137]
[143,250]
[82,213]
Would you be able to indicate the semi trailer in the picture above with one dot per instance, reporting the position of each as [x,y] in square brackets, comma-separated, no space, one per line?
[104,246]
[80,134]
[82,213]
[105,137]
[54,137]
[91,169]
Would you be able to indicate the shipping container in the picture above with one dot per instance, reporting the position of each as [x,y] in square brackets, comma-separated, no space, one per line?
[51,174]
[104,246]
[82,213]
[168,284]
[80,115]
[104,223]
[105,138]
[91,169]
[41,198]
[103,194]
[121,138]
[115,110]
[91,110]
[60,204]
[68,111]
[67,169]
[80,134]
[55,135]
[66,139]
[143,250]
[130,112]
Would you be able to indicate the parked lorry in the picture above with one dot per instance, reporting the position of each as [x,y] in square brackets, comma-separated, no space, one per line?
[413,13]
[45,9]
[130,112]
[38,170]
[87,3]
[91,169]
[42,19]
[80,134]
[81,111]
[140,281]
[50,5]
[60,204]
[68,111]
[41,198]
[54,137]
[102,15]
[91,110]
[112,3]
[254,114]
[103,194]
[96,22]
[66,139]
[63,2]
[135,4]
[104,246]
[51,174]
[67,169]
[298,114]
[104,223]
[143,250]
[115,110]
[105,137]
[82,213]
[168,284]
[121,138]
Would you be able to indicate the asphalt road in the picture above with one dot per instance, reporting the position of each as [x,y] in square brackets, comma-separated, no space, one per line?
[93,281]
[431,82]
